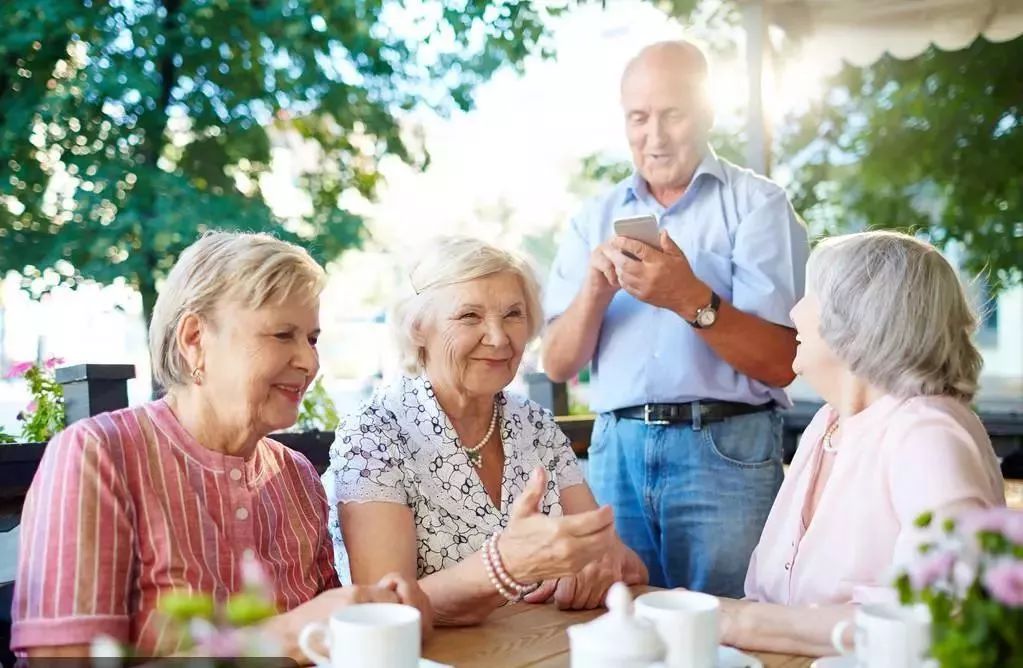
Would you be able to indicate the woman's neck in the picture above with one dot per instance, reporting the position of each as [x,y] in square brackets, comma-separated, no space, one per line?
[206,424]
[464,409]
[853,395]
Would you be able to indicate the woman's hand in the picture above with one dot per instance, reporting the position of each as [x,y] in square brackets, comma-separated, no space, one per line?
[587,589]
[393,588]
[535,547]
[729,621]
[410,593]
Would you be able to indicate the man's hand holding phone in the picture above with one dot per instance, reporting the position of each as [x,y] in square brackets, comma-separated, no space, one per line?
[603,276]
[651,267]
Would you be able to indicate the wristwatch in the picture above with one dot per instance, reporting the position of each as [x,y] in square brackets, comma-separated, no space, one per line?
[708,315]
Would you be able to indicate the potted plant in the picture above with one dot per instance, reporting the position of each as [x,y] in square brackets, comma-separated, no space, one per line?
[971,578]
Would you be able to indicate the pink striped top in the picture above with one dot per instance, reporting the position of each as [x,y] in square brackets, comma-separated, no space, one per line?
[127,506]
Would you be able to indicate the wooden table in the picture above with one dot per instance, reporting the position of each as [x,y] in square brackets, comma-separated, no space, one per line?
[517,636]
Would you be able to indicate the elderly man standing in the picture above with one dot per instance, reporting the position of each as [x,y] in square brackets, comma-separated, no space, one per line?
[691,343]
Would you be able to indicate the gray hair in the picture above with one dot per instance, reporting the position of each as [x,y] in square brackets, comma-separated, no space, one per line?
[448,261]
[251,269]
[894,310]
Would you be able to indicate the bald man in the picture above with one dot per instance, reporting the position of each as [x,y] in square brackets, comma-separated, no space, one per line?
[690,341]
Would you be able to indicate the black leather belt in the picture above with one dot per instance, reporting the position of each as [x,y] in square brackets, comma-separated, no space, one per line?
[710,411]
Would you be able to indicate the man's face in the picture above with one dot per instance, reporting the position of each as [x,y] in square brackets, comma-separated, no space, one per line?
[666,122]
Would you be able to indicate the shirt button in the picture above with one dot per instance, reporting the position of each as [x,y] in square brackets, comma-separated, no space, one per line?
[236,474]
[242,513]
[788,564]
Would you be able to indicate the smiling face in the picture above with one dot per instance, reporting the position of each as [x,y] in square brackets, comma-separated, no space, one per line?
[258,363]
[667,119]
[475,339]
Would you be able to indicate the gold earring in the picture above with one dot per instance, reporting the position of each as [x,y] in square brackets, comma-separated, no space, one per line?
[197,375]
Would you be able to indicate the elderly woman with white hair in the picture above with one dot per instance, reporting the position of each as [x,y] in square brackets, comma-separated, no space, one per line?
[884,336]
[187,493]
[446,477]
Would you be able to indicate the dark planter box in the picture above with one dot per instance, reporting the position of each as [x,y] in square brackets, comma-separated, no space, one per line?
[18,464]
[315,445]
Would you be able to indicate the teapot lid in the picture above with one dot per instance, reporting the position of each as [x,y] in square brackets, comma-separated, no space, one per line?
[619,633]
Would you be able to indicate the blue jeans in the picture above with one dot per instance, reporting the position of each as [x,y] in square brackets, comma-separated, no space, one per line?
[690,499]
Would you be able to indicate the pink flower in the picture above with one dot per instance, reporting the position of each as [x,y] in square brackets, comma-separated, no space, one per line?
[930,568]
[18,369]
[1013,529]
[1004,579]
[53,362]
[254,575]
[32,406]
[1004,521]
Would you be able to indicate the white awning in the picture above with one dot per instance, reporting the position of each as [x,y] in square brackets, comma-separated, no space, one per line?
[861,31]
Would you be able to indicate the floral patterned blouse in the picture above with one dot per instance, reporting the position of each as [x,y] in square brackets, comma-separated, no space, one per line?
[401,448]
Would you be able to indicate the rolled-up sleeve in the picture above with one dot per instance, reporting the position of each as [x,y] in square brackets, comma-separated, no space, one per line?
[569,268]
[76,548]
[769,260]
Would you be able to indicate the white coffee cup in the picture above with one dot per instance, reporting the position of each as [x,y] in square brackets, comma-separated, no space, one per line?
[687,622]
[367,635]
[887,636]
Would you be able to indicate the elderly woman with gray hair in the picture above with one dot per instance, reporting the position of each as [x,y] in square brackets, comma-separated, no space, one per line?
[187,493]
[884,336]
[446,477]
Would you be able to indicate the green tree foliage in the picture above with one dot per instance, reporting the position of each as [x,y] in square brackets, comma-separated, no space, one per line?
[932,145]
[128,127]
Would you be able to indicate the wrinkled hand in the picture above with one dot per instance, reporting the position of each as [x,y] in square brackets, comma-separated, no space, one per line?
[535,547]
[728,620]
[410,593]
[660,276]
[602,276]
[587,589]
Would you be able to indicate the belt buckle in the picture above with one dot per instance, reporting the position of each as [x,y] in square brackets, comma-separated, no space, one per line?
[647,420]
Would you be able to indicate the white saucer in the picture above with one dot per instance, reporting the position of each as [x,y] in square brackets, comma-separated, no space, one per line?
[729,657]
[834,662]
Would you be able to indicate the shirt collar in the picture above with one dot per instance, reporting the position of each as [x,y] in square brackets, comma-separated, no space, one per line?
[636,187]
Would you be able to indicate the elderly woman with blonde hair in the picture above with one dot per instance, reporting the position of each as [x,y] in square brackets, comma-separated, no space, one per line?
[447,477]
[187,493]
[884,336]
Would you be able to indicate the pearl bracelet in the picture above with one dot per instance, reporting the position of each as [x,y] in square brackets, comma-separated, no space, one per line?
[508,584]
[498,585]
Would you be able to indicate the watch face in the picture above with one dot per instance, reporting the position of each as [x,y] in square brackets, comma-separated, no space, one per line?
[707,317]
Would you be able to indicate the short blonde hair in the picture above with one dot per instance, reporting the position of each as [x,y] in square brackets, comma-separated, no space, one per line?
[448,261]
[251,269]
[894,310]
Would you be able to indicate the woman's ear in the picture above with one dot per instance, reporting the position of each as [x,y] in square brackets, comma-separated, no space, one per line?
[189,339]
[418,335]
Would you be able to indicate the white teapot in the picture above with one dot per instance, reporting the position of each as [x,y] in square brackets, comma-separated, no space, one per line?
[617,639]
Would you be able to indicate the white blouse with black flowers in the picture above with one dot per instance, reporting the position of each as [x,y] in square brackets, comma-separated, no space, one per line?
[400,447]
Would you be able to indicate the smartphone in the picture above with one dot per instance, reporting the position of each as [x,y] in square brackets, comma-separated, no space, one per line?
[639,228]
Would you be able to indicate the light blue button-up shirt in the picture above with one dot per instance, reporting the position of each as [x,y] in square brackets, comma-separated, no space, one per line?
[741,237]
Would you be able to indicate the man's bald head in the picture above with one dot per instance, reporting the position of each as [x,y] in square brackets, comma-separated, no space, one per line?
[677,59]
[667,113]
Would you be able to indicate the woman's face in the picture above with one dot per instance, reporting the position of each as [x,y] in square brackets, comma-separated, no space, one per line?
[474,341]
[258,363]
[814,361]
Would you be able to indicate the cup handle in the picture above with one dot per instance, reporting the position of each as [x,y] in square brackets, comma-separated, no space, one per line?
[836,638]
[308,631]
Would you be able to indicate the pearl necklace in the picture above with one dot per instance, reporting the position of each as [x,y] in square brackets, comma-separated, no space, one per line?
[832,428]
[473,453]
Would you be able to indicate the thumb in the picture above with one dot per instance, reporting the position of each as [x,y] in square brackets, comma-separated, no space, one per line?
[529,501]
[668,245]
